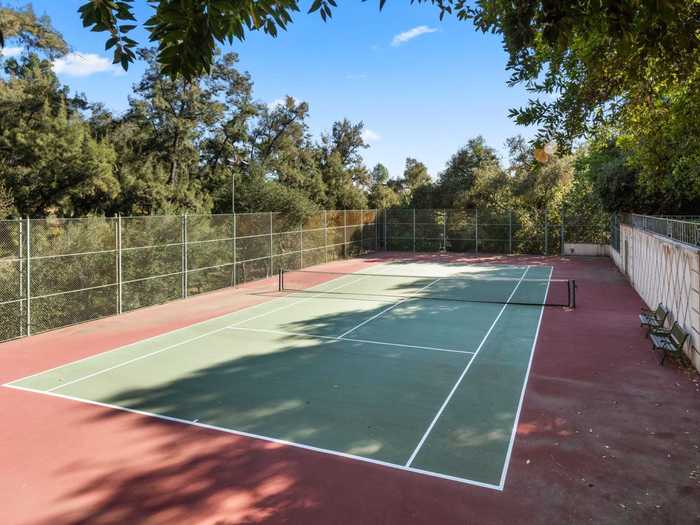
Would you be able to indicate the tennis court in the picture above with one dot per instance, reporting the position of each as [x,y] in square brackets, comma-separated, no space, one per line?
[416,367]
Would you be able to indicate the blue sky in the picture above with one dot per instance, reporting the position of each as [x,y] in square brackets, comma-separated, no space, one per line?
[422,86]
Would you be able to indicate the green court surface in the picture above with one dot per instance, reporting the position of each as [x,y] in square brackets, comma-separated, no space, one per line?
[347,367]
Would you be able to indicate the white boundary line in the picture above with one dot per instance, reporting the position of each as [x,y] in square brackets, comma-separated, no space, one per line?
[464,372]
[389,308]
[506,463]
[180,343]
[264,438]
[164,334]
[332,338]
[405,467]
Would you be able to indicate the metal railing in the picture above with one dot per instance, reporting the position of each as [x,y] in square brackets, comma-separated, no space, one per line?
[57,272]
[685,231]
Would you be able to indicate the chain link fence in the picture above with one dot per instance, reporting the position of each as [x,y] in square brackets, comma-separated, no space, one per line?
[57,272]
[544,232]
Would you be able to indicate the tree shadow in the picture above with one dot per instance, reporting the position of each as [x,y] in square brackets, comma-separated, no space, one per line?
[373,401]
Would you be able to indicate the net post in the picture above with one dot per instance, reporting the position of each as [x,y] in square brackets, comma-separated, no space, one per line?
[120,287]
[573,293]
[280,285]
[29,276]
[414,230]
[476,231]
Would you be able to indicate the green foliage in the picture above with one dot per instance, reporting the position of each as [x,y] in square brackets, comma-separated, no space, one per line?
[457,180]
[255,193]
[381,195]
[7,202]
[415,175]
[596,58]
[187,32]
[614,181]
[50,161]
[380,174]
[31,32]
[177,148]
[343,172]
[626,74]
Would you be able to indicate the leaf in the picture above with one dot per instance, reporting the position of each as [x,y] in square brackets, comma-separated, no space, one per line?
[315,6]
[111,42]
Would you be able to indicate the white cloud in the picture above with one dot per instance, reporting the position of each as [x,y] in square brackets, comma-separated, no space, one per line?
[84,64]
[370,136]
[11,51]
[415,32]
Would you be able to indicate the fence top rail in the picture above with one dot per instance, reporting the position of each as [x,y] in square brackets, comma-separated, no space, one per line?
[683,231]
[668,218]
[162,215]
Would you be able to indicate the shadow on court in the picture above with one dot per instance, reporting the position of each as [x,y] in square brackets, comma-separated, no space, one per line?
[374,401]
[606,435]
[368,402]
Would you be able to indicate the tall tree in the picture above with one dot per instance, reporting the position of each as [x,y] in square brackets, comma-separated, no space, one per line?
[34,34]
[49,159]
[381,195]
[344,173]
[456,181]
[415,174]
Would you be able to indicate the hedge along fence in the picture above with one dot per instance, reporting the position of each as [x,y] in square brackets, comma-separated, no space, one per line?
[57,272]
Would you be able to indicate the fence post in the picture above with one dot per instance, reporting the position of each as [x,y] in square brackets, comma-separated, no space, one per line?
[414,230]
[325,235]
[362,231]
[386,239]
[476,230]
[235,263]
[301,243]
[184,256]
[120,291]
[20,251]
[546,232]
[29,276]
[376,229]
[272,261]
[345,234]
[510,231]
[444,231]
[561,235]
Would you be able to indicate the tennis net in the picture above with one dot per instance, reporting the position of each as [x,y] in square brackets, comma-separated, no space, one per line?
[465,288]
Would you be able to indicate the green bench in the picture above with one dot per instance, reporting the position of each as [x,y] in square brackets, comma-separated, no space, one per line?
[653,319]
[668,341]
